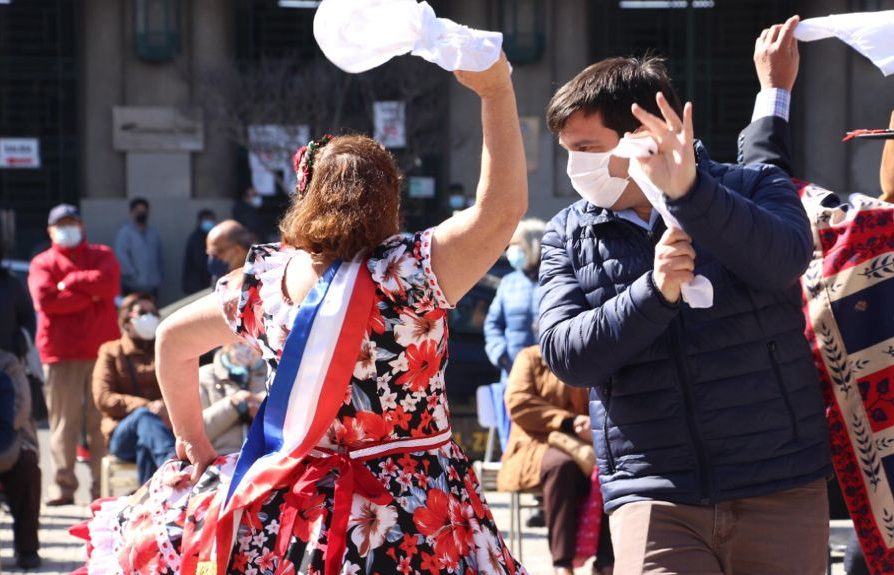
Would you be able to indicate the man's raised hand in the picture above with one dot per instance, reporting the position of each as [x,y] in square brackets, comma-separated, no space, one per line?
[672,168]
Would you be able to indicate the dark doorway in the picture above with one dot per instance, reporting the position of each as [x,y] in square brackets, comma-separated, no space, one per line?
[38,99]
[709,46]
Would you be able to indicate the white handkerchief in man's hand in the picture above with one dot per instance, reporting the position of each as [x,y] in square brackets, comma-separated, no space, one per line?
[869,33]
[358,35]
[698,293]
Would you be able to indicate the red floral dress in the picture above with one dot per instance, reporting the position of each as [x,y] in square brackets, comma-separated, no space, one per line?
[436,520]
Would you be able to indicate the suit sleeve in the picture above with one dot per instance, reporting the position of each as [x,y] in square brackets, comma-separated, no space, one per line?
[764,239]
[766,140]
[584,345]
[46,295]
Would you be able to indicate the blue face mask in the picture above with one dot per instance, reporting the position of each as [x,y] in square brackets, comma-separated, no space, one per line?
[238,373]
[217,267]
[206,225]
[516,256]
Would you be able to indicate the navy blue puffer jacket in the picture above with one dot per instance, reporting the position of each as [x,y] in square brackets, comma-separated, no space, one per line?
[690,405]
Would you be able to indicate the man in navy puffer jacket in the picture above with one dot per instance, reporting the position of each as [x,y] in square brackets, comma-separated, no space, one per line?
[708,423]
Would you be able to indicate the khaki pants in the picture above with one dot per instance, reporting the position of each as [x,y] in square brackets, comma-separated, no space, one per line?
[786,532]
[72,415]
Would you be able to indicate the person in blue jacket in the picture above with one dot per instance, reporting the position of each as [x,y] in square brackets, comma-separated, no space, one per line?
[708,423]
[510,323]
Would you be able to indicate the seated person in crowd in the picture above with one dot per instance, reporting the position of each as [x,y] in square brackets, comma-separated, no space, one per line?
[134,418]
[19,471]
[539,406]
[231,389]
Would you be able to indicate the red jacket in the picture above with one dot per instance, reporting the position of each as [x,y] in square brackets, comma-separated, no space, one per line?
[74,322]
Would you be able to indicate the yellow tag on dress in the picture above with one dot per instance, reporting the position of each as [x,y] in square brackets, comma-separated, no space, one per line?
[206,568]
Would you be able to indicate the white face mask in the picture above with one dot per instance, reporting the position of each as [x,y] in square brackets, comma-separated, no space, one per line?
[144,326]
[590,178]
[67,236]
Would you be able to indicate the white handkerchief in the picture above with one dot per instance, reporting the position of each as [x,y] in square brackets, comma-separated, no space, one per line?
[869,33]
[698,293]
[358,35]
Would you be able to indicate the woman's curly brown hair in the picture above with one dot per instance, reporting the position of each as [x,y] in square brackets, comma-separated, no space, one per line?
[352,203]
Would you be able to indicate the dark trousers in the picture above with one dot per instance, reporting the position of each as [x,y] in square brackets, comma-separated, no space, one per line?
[142,437]
[21,485]
[564,488]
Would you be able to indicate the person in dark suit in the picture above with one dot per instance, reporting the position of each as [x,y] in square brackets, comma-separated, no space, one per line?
[767,139]
[195,262]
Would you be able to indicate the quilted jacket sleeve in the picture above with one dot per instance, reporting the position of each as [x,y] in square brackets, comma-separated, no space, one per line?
[760,232]
[495,331]
[584,345]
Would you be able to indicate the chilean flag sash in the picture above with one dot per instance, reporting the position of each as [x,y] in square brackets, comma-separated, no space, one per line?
[310,386]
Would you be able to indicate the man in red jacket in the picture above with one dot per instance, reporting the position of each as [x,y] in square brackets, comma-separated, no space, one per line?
[73,285]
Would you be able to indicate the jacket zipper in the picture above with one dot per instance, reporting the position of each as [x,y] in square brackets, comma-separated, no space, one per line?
[609,458]
[777,370]
[683,376]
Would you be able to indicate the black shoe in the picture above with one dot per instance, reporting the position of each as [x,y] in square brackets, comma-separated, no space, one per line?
[28,561]
[536,520]
[59,501]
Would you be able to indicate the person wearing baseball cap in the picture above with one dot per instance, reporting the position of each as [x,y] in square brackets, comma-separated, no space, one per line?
[73,285]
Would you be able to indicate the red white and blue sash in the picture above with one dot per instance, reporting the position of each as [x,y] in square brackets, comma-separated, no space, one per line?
[310,386]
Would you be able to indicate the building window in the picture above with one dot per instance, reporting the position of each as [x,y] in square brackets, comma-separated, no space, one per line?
[521,22]
[157,29]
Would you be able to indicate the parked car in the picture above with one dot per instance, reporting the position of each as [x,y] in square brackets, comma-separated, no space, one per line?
[19,268]
[469,366]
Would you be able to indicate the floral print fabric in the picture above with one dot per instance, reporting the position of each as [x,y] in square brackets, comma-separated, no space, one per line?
[435,520]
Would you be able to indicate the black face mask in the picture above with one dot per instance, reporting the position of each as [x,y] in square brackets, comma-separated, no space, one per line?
[142,218]
[217,268]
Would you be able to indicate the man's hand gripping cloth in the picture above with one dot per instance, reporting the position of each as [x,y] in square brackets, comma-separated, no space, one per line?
[699,293]
[358,35]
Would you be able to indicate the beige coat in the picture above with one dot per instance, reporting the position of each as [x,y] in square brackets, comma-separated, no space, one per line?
[221,419]
[538,403]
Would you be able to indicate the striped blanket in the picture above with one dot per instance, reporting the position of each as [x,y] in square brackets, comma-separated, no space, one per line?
[849,304]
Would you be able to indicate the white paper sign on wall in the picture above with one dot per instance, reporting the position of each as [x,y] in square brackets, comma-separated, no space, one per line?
[20,153]
[390,124]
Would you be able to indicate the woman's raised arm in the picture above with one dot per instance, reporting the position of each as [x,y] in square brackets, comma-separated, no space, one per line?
[466,245]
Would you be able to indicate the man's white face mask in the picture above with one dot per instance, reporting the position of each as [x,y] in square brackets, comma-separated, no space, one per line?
[590,178]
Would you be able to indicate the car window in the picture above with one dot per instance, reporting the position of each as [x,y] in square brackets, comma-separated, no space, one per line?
[468,315]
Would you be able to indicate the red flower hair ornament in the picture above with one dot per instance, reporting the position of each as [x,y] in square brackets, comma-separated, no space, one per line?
[303,161]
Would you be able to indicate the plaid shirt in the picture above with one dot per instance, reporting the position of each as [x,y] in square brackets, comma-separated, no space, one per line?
[772,102]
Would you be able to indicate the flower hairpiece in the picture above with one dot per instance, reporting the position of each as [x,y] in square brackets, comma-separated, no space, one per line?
[303,161]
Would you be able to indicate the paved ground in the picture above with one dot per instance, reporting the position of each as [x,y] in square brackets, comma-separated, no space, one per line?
[63,553]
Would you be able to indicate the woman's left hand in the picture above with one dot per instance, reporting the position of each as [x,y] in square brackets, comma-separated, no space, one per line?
[494,80]
[199,452]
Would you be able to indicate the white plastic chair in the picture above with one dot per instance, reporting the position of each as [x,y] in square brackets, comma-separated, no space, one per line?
[487,418]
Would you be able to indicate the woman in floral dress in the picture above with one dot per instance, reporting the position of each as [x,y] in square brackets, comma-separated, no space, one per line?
[384,489]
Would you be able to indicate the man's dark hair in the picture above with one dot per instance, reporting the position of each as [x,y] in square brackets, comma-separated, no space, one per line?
[243,238]
[139,202]
[610,87]
[205,213]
